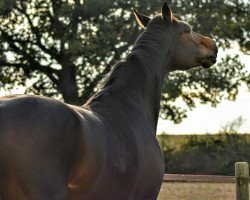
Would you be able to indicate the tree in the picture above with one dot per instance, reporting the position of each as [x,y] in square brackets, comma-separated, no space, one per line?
[59,46]
[6,6]
[63,48]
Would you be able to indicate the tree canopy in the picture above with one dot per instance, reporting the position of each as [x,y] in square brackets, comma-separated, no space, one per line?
[63,48]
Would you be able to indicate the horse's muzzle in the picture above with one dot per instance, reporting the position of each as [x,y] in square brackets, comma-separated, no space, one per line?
[210,58]
[209,61]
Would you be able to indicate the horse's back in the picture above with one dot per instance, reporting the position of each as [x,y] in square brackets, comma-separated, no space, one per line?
[38,143]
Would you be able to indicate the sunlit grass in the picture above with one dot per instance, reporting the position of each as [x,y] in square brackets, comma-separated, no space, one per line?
[197,191]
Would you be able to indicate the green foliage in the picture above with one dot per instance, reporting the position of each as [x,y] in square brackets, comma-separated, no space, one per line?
[64,48]
[6,6]
[207,155]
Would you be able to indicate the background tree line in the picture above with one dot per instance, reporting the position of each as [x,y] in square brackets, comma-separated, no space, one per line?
[211,154]
[204,154]
[63,48]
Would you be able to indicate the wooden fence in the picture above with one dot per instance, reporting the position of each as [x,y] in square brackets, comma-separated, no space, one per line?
[241,179]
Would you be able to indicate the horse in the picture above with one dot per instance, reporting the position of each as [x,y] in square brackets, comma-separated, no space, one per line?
[107,148]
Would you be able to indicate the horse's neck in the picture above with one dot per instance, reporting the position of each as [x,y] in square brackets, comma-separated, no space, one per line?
[151,49]
[140,78]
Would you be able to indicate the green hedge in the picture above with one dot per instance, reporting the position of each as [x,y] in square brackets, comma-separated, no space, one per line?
[205,154]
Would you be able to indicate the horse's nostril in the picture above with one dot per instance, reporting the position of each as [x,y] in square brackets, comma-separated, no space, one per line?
[212,59]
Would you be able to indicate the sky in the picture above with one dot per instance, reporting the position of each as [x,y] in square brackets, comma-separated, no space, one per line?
[206,119]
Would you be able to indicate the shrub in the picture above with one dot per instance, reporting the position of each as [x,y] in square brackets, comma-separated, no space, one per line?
[208,155]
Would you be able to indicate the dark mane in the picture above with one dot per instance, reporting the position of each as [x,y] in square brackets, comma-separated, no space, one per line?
[107,81]
[109,78]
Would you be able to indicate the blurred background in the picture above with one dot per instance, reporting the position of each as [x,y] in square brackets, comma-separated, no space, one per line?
[63,48]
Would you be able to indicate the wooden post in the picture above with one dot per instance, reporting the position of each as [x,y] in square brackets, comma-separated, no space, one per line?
[242,176]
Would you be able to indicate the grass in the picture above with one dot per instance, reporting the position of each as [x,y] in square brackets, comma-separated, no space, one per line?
[197,191]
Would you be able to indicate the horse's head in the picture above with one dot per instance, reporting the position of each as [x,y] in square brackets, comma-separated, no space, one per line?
[188,49]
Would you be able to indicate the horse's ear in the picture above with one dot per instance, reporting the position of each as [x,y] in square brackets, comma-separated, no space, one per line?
[166,13]
[142,20]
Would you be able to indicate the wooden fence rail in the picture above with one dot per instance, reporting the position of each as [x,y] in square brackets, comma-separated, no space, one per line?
[198,178]
[241,179]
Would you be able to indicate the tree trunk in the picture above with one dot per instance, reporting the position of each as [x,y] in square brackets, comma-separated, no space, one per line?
[67,85]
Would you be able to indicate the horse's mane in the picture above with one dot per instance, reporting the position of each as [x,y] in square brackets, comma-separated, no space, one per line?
[108,80]
[119,68]
[112,75]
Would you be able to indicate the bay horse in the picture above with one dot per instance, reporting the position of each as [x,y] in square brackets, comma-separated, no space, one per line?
[107,148]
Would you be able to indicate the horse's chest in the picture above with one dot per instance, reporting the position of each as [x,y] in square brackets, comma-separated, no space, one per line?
[132,165]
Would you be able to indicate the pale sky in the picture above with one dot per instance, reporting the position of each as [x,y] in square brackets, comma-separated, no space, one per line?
[206,119]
